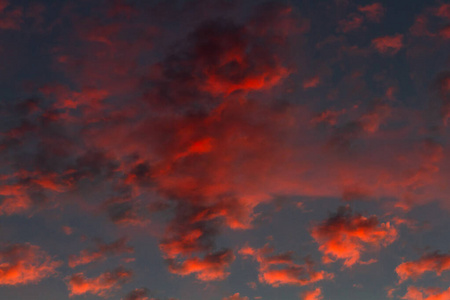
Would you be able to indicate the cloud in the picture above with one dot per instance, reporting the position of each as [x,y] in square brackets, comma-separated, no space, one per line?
[442,85]
[138,294]
[351,23]
[209,268]
[443,11]
[414,293]
[202,128]
[327,116]
[280,269]
[100,253]
[445,32]
[390,292]
[101,286]
[311,82]
[312,295]
[235,297]
[23,190]
[433,262]
[10,17]
[24,264]
[67,230]
[373,12]
[346,236]
[388,45]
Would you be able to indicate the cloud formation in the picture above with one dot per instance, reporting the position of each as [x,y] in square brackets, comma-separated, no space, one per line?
[209,268]
[193,116]
[280,269]
[102,285]
[415,293]
[24,264]
[236,296]
[346,236]
[100,253]
[433,262]
[312,295]
[388,45]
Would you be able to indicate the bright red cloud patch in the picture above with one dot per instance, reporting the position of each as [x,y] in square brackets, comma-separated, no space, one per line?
[415,293]
[280,269]
[211,267]
[312,295]
[346,236]
[101,285]
[433,262]
[24,264]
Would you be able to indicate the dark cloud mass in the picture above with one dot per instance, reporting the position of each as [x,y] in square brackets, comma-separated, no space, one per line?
[191,149]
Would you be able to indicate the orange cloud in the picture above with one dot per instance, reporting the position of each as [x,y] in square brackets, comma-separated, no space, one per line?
[101,285]
[100,253]
[414,293]
[281,269]
[210,268]
[346,236]
[433,262]
[235,297]
[389,45]
[312,295]
[390,292]
[25,263]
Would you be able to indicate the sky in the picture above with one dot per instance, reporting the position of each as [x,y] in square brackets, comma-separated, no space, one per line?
[224,150]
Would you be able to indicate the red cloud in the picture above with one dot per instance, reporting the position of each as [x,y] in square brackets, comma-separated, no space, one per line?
[67,230]
[443,11]
[25,263]
[346,236]
[415,293]
[372,120]
[10,18]
[210,268]
[328,116]
[100,253]
[281,269]
[235,297]
[101,285]
[433,262]
[445,32]
[353,22]
[311,82]
[374,12]
[18,189]
[389,45]
[16,199]
[312,295]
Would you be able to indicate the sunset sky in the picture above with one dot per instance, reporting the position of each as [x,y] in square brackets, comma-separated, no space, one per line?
[224,150]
